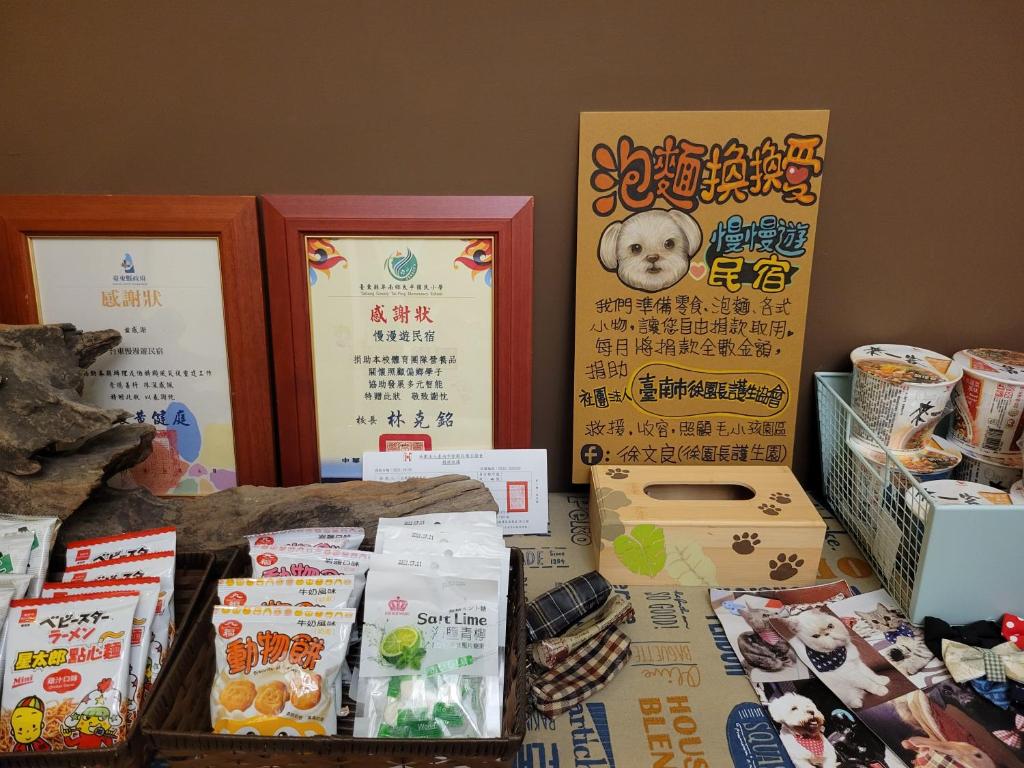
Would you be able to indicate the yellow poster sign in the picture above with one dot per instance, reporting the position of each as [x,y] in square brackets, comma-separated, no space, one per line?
[694,245]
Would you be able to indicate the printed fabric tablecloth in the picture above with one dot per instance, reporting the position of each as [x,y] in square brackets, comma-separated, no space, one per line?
[683,700]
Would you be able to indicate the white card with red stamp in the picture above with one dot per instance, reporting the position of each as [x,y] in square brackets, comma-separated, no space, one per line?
[518,479]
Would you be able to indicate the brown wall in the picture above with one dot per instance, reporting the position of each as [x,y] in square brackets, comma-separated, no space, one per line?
[919,237]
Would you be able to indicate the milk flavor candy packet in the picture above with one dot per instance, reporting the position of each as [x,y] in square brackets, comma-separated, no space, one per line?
[66,671]
[44,531]
[139,667]
[313,592]
[15,549]
[276,670]
[131,544]
[429,657]
[159,564]
[340,538]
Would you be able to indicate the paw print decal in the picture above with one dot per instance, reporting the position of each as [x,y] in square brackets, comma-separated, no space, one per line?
[745,544]
[617,473]
[780,498]
[784,567]
[769,509]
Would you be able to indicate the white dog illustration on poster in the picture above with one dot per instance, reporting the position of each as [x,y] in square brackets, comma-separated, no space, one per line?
[650,251]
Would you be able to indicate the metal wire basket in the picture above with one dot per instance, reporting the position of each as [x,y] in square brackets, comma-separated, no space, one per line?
[960,563]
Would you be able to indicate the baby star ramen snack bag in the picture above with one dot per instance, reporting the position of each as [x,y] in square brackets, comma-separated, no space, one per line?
[65,672]
[139,668]
[340,538]
[276,670]
[123,545]
[159,564]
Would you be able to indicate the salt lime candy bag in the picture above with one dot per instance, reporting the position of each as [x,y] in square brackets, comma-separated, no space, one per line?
[429,656]
[15,550]
[44,529]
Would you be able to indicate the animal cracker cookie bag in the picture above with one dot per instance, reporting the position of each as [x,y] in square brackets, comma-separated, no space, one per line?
[339,538]
[65,672]
[276,670]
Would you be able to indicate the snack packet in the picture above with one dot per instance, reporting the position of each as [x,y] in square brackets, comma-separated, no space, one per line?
[456,519]
[276,670]
[429,657]
[139,668]
[159,564]
[304,561]
[15,549]
[131,544]
[316,592]
[65,672]
[334,592]
[470,539]
[341,538]
[44,529]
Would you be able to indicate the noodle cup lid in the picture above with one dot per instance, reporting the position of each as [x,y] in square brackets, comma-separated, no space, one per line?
[902,364]
[1000,364]
[936,455]
[1017,492]
[944,492]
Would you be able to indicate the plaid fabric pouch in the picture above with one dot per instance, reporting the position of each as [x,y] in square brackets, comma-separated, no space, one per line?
[582,674]
[552,613]
[615,611]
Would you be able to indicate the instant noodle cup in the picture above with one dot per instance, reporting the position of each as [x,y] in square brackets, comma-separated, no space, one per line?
[1017,492]
[955,492]
[989,470]
[935,460]
[988,416]
[66,672]
[901,392]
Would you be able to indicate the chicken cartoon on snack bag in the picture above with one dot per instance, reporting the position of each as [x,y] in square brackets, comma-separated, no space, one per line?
[27,726]
[96,720]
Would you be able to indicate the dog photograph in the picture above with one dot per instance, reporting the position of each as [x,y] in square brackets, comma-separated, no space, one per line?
[880,622]
[947,726]
[818,730]
[651,250]
[843,660]
[746,619]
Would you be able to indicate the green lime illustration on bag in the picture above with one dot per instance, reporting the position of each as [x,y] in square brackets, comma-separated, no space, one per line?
[403,648]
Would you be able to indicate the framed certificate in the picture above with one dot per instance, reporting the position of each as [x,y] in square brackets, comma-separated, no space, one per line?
[181,279]
[398,323]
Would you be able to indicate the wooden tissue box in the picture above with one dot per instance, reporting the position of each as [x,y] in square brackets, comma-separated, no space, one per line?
[735,526]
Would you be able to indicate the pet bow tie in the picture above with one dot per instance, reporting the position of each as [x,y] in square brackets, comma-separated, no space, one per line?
[998,664]
[904,630]
[1013,737]
[1013,629]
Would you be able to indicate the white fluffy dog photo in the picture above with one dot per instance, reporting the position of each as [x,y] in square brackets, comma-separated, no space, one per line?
[803,731]
[650,251]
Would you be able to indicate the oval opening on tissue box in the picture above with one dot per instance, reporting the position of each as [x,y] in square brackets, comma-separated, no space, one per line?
[699,492]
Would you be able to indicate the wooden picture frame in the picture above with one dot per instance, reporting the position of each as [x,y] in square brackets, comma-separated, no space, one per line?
[289,219]
[232,220]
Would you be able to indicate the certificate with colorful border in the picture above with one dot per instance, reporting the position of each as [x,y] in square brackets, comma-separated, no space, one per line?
[398,324]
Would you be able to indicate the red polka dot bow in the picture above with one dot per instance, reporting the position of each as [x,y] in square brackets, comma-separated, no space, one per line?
[1013,629]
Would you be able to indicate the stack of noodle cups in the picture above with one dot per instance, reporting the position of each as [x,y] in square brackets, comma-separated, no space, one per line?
[988,418]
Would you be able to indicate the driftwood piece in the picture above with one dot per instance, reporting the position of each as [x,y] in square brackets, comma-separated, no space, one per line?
[41,408]
[222,519]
